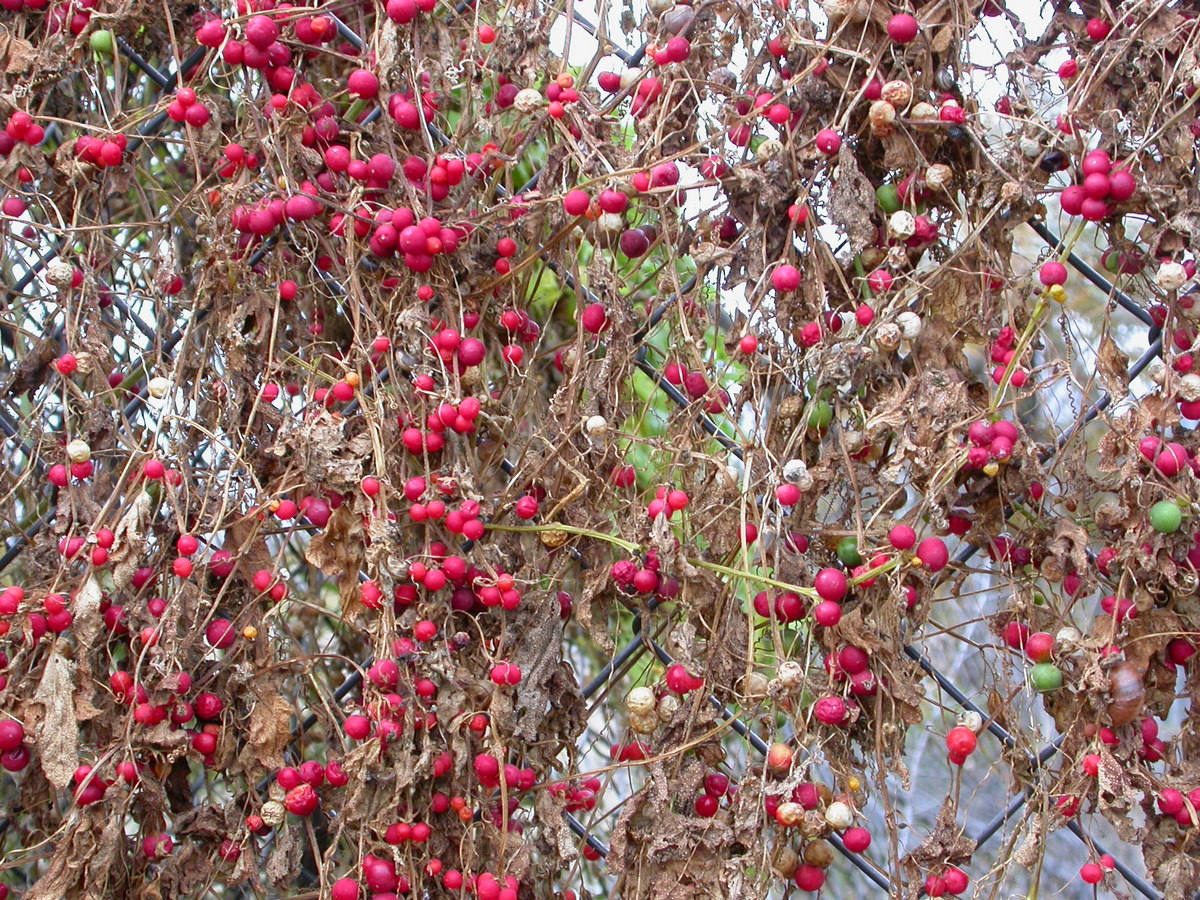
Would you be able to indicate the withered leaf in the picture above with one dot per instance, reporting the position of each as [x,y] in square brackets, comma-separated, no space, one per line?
[58,879]
[249,544]
[128,536]
[58,731]
[87,621]
[1112,365]
[338,549]
[270,728]
[852,200]
[284,861]
[941,40]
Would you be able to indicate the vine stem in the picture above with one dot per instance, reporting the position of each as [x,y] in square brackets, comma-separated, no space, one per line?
[1035,321]
[751,576]
[872,573]
[569,529]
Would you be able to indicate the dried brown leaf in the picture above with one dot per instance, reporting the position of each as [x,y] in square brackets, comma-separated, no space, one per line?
[57,732]
[852,201]
[284,862]
[270,728]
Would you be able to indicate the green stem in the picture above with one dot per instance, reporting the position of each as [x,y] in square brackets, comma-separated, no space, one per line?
[751,576]
[569,529]
[893,563]
[1039,310]
[1071,240]
[861,272]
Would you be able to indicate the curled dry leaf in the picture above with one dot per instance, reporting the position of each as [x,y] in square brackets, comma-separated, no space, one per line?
[57,729]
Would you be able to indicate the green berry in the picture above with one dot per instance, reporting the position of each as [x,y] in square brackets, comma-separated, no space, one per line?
[1045,677]
[847,551]
[888,198]
[820,416]
[102,42]
[1166,516]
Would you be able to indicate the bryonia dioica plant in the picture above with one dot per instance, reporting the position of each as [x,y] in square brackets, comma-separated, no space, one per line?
[551,450]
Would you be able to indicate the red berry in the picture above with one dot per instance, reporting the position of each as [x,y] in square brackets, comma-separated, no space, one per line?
[956,880]
[933,554]
[1039,647]
[831,584]
[961,741]
[220,633]
[856,840]
[576,202]
[809,878]
[1053,273]
[785,278]
[829,141]
[301,800]
[902,28]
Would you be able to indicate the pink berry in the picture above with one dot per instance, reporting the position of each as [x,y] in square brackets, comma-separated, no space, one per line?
[576,202]
[809,878]
[1053,273]
[220,634]
[856,840]
[933,554]
[831,585]
[363,83]
[829,141]
[902,28]
[827,613]
[785,278]
[787,494]
[902,537]
[831,710]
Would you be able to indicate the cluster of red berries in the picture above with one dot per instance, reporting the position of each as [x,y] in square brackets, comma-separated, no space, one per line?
[680,681]
[14,753]
[74,15]
[1168,458]
[301,784]
[852,665]
[1102,188]
[786,606]
[646,579]
[1003,354]
[716,786]
[236,159]
[60,475]
[20,129]
[186,107]
[950,880]
[104,153]
[990,444]
[696,386]
[54,617]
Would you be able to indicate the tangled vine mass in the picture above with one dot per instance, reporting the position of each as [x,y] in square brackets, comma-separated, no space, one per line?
[529,450]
